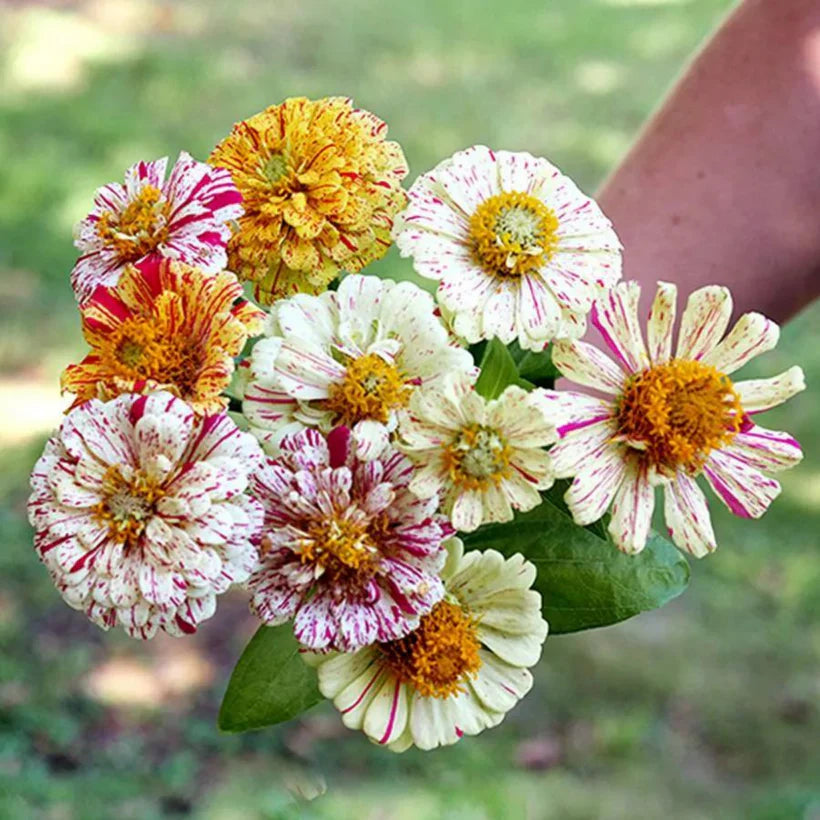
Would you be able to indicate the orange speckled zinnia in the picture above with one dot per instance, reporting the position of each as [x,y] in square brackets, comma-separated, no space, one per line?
[320,186]
[164,326]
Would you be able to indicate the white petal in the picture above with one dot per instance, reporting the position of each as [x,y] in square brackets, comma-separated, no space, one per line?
[757,395]
[742,488]
[584,364]
[594,487]
[615,314]
[687,516]
[766,450]
[704,321]
[632,508]
[386,716]
[752,335]
[661,323]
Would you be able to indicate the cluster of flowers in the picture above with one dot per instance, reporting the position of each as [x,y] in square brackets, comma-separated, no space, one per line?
[330,468]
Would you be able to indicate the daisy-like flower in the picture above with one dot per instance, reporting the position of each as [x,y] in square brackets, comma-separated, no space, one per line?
[164,326]
[459,672]
[320,186]
[140,513]
[350,357]
[485,458]
[519,252]
[347,549]
[184,218]
[668,418]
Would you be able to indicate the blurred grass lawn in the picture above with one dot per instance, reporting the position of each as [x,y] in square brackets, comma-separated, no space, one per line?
[705,709]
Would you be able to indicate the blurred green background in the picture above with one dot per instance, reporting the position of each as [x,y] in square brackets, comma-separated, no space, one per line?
[705,709]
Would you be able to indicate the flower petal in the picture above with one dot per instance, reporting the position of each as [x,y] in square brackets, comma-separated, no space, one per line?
[615,315]
[704,322]
[758,395]
[661,323]
[752,335]
[632,508]
[742,488]
[687,516]
[584,364]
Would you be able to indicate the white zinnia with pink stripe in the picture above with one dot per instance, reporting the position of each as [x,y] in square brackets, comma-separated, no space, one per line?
[460,672]
[667,418]
[347,550]
[184,218]
[140,512]
[518,250]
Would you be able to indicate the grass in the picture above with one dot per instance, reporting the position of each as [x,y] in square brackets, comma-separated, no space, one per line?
[704,709]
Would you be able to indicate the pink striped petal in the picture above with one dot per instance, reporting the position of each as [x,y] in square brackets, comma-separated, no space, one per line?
[632,508]
[594,487]
[766,450]
[687,516]
[704,322]
[752,335]
[742,487]
[584,364]
[757,395]
[615,315]
[661,323]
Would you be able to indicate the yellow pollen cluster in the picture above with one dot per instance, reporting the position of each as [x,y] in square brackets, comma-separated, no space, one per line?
[128,504]
[370,389]
[513,233]
[477,457]
[139,229]
[339,542]
[141,349]
[437,658]
[678,413]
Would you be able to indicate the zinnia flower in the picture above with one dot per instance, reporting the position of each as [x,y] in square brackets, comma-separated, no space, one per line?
[320,185]
[184,218]
[486,458]
[667,419]
[351,357]
[164,326]
[140,515]
[459,672]
[519,251]
[347,548]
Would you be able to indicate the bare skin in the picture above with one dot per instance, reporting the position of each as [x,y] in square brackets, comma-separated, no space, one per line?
[723,184]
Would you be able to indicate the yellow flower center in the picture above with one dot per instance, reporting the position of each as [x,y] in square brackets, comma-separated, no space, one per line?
[678,413]
[127,505]
[477,457]
[340,542]
[371,388]
[513,233]
[437,657]
[140,228]
[275,169]
[140,348]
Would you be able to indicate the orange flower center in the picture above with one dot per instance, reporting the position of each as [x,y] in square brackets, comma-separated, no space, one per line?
[678,413]
[141,348]
[140,228]
[371,388]
[128,504]
[477,457]
[513,233]
[437,657]
[340,542]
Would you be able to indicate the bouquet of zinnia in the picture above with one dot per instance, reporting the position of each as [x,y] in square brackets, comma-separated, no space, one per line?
[390,475]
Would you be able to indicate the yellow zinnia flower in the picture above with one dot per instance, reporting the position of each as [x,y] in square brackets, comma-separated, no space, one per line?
[320,186]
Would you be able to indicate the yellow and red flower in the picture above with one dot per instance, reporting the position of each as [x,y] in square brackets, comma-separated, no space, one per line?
[164,326]
[320,186]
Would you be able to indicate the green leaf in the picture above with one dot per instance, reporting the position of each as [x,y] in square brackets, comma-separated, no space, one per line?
[584,580]
[535,366]
[498,371]
[270,683]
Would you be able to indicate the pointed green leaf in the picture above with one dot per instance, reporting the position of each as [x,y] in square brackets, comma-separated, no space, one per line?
[535,365]
[270,684]
[584,580]
[498,371]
